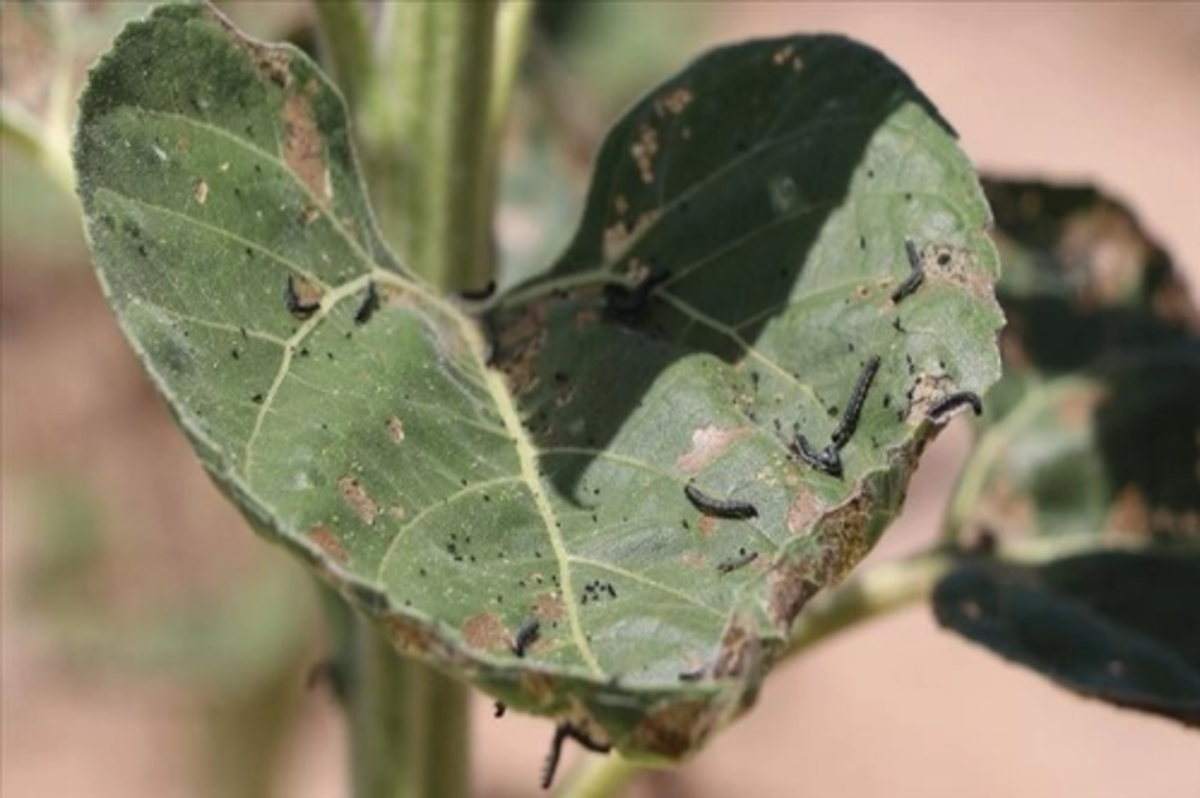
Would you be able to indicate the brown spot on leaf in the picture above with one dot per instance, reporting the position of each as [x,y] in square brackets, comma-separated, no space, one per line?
[309,215]
[928,389]
[200,192]
[395,429]
[485,631]
[303,144]
[791,585]
[957,266]
[706,526]
[397,511]
[356,496]
[674,730]
[675,101]
[709,443]
[325,539]
[407,635]
[549,607]
[741,653]
[803,511]
[643,151]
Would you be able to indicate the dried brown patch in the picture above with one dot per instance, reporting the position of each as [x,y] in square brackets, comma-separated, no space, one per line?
[927,390]
[521,342]
[1175,523]
[709,443]
[674,731]
[309,215]
[200,192]
[485,631]
[1129,514]
[397,511]
[706,526]
[303,144]
[741,652]
[845,538]
[325,539]
[358,499]
[957,266]
[803,512]
[1005,507]
[643,151]
[395,429]
[1103,251]
[791,585]
[549,607]
[407,635]
[1077,409]
[674,102]
[619,234]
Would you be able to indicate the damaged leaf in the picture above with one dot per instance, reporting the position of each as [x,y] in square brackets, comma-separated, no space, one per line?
[1091,449]
[1116,626]
[1094,428]
[729,284]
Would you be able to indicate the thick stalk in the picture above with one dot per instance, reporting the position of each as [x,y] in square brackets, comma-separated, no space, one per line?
[426,139]
[420,85]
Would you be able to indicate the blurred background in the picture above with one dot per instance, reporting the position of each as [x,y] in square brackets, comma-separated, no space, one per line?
[152,646]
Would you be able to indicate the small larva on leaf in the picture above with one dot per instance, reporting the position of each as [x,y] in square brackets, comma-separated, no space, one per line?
[940,409]
[368,306]
[849,423]
[915,276]
[719,508]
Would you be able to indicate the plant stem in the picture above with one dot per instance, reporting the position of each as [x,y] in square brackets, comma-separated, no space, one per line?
[427,144]
[602,776]
[45,147]
[880,590]
[346,46]
[420,86]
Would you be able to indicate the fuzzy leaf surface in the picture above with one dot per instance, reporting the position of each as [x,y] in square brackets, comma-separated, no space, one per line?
[457,480]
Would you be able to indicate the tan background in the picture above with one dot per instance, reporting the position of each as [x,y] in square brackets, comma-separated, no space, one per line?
[1106,93]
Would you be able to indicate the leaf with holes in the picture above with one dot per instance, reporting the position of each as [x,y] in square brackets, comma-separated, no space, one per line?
[1091,431]
[730,289]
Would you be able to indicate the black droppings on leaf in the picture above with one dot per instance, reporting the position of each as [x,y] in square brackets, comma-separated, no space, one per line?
[718,508]
[743,559]
[257,398]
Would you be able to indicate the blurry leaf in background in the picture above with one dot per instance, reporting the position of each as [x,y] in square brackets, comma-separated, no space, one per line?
[1117,626]
[768,189]
[1093,428]
[1091,448]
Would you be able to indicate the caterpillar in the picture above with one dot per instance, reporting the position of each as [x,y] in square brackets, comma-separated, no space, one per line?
[719,508]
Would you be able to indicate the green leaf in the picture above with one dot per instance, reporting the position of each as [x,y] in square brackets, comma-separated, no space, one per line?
[1116,626]
[454,488]
[1090,431]
[1089,449]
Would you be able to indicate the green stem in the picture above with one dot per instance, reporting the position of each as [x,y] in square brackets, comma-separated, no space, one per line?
[420,88]
[346,46]
[885,588]
[602,777]
[38,142]
[427,140]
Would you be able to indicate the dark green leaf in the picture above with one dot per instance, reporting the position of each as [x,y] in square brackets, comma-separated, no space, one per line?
[1091,431]
[1116,626]
[456,493]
